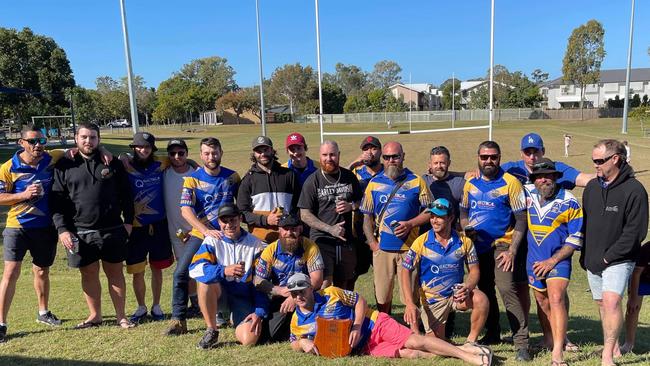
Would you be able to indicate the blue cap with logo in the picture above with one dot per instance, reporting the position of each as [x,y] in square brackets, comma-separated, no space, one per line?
[532,140]
[439,207]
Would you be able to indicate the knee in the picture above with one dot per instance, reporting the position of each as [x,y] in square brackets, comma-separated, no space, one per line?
[11,274]
[480,301]
[611,302]
[41,272]
[557,299]
[245,336]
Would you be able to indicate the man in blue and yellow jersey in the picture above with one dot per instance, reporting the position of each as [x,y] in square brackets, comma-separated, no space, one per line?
[225,266]
[291,253]
[204,191]
[372,332]
[298,161]
[25,184]
[149,238]
[393,206]
[493,213]
[440,256]
[554,233]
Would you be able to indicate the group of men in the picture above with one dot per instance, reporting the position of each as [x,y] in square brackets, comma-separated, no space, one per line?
[314,227]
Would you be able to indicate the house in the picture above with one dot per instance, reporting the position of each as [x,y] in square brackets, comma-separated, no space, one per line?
[562,94]
[424,97]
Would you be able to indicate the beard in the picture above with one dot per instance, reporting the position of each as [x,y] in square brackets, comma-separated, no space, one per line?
[87,150]
[393,171]
[371,162]
[330,167]
[290,244]
[264,160]
[439,173]
[546,190]
[212,164]
[489,169]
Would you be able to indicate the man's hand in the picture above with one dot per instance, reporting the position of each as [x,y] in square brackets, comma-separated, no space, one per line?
[355,335]
[338,231]
[308,346]
[472,174]
[343,206]
[288,305]
[255,323]
[403,229]
[541,269]
[506,261]
[273,218]
[66,239]
[32,191]
[373,244]
[107,156]
[213,233]
[461,294]
[281,291]
[234,270]
[411,316]
[128,228]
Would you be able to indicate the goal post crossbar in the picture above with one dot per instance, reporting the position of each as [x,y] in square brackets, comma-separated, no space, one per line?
[405,132]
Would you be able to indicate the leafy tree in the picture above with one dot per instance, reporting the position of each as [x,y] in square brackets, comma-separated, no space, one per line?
[385,74]
[448,88]
[375,100]
[290,83]
[173,99]
[539,77]
[635,101]
[584,55]
[333,98]
[349,78]
[235,100]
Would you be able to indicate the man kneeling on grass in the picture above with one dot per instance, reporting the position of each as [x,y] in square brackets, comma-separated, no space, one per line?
[372,333]
[226,265]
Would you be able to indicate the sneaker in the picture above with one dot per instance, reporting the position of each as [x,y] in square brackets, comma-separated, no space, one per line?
[221,322]
[3,333]
[209,340]
[48,319]
[138,318]
[522,355]
[157,316]
[176,327]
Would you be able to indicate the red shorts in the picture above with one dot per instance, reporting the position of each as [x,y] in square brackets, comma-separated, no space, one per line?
[387,337]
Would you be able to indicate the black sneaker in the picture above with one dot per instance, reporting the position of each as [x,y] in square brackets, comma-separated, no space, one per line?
[209,340]
[522,355]
[48,319]
[3,333]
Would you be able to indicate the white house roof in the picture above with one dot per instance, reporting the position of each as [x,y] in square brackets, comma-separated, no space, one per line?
[611,76]
[464,85]
[568,98]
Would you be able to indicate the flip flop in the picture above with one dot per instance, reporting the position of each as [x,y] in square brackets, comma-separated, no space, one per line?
[126,324]
[487,354]
[87,324]
[571,347]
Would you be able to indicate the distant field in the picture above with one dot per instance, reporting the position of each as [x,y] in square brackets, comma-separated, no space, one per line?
[33,344]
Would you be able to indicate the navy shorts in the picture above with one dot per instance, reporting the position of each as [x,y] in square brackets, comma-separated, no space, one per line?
[108,245]
[150,241]
[561,271]
[41,243]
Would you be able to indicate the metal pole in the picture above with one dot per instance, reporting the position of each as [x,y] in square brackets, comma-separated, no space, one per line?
[491,70]
[626,103]
[410,100]
[74,125]
[129,72]
[320,86]
[259,59]
[453,95]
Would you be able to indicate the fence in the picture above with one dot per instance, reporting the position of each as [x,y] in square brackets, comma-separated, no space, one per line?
[464,115]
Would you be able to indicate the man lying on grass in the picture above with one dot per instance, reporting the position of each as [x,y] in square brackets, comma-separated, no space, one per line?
[373,333]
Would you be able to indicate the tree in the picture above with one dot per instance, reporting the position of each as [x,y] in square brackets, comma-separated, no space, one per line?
[375,100]
[173,100]
[584,55]
[333,99]
[290,83]
[539,77]
[449,87]
[350,78]
[235,100]
[385,74]
[36,71]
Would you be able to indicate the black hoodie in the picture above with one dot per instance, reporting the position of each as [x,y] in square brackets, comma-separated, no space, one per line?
[615,220]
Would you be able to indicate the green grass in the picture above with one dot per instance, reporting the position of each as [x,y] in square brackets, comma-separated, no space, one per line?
[34,344]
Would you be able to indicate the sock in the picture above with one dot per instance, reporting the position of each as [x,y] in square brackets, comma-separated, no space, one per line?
[43,312]
[140,311]
[155,309]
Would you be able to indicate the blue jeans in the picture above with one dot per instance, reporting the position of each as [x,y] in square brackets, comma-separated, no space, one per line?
[182,278]
[613,279]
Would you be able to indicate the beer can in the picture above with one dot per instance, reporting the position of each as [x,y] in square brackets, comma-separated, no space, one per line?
[181,234]
[75,246]
[40,184]
[394,224]
[456,288]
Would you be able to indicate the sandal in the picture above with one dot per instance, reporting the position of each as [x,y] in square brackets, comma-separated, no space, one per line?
[87,324]
[487,355]
[478,349]
[126,324]
[570,347]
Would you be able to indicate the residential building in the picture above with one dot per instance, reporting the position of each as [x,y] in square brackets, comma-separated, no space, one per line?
[424,97]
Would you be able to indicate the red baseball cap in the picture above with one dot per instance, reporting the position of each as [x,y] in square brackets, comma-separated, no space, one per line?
[295,139]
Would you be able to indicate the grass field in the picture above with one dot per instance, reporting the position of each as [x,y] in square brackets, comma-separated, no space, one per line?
[32,344]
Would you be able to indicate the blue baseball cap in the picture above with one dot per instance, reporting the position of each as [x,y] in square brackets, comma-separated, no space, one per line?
[440,207]
[532,140]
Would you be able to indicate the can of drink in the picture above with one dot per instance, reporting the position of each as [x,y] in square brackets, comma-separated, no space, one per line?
[75,246]
[394,224]
[181,234]
[456,288]
[40,184]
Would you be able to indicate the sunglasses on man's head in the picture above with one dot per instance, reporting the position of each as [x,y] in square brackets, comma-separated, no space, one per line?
[602,161]
[293,285]
[40,140]
[493,157]
[177,153]
[391,157]
[438,206]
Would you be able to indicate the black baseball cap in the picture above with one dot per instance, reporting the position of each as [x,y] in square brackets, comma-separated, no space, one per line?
[289,220]
[227,209]
[176,142]
[144,139]
[371,140]
[261,141]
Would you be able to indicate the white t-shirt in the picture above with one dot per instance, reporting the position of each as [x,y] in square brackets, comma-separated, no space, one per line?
[173,185]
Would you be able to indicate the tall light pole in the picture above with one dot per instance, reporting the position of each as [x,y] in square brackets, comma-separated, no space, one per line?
[626,103]
[491,71]
[320,86]
[259,59]
[129,72]
[453,97]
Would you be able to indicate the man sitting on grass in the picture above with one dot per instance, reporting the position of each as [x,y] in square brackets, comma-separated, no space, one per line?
[372,333]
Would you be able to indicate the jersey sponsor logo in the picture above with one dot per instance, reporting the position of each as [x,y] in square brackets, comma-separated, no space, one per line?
[435,269]
[482,205]
[3,187]
[611,208]
[186,195]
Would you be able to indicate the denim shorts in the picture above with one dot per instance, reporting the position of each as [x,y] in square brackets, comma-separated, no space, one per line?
[613,279]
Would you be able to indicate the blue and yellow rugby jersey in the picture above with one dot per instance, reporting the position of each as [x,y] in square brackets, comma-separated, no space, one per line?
[277,266]
[552,225]
[364,175]
[491,205]
[206,193]
[331,303]
[411,197]
[148,194]
[15,177]
[302,175]
[440,268]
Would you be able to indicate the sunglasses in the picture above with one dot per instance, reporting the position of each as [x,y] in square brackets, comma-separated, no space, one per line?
[40,140]
[176,153]
[391,157]
[493,157]
[602,161]
[438,206]
[301,283]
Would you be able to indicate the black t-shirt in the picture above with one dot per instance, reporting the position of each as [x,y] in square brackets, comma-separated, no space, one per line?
[319,195]
[644,261]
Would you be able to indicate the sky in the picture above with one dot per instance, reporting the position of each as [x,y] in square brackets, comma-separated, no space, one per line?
[430,40]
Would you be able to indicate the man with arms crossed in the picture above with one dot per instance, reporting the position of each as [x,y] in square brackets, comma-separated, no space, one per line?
[615,208]
[89,200]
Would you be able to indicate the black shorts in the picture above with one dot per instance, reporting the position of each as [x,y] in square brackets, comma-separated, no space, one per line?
[109,245]
[340,261]
[41,243]
[152,240]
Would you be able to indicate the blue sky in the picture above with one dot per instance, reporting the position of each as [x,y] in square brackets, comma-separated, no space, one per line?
[429,39]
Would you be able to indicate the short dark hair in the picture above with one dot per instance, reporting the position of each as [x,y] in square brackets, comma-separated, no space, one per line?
[211,141]
[88,126]
[613,147]
[488,145]
[29,128]
[441,150]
